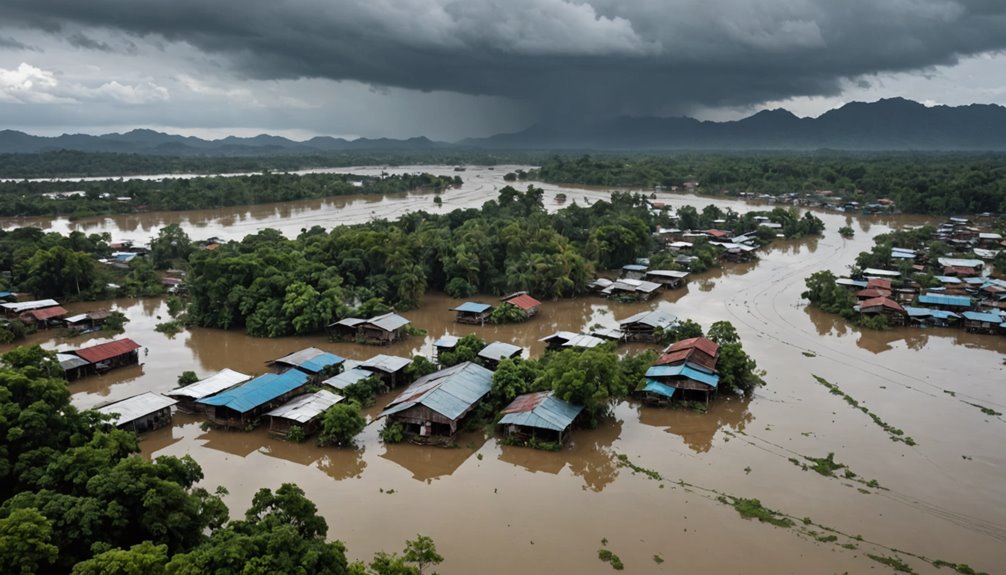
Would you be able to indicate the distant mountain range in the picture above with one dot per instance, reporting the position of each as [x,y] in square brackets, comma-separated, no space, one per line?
[885,125]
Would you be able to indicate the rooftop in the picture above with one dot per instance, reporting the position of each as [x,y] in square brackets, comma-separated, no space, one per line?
[348,378]
[450,392]
[104,351]
[220,381]
[523,301]
[472,307]
[386,363]
[133,408]
[654,319]
[258,391]
[683,370]
[542,410]
[498,350]
[310,359]
[304,408]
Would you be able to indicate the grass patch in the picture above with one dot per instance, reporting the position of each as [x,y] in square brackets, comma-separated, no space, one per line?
[753,509]
[658,559]
[808,354]
[958,567]
[170,328]
[985,410]
[825,465]
[892,562]
[893,432]
[608,557]
[623,461]
[827,538]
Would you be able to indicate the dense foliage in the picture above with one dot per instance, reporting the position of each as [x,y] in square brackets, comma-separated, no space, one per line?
[26,198]
[918,183]
[341,423]
[75,496]
[274,286]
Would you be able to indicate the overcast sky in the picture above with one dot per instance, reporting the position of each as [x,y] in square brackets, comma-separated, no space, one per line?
[452,69]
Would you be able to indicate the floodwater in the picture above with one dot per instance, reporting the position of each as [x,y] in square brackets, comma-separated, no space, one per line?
[497,509]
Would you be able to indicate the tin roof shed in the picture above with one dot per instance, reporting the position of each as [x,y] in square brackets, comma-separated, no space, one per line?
[450,392]
[220,381]
[311,360]
[347,378]
[653,319]
[133,408]
[472,307]
[498,350]
[386,363]
[541,410]
[105,351]
[258,391]
[947,300]
[305,408]
[683,370]
[22,306]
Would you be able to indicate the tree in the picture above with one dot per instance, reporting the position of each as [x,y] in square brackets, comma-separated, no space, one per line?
[467,349]
[341,423]
[141,559]
[187,378]
[171,243]
[590,378]
[422,551]
[419,367]
[723,332]
[25,542]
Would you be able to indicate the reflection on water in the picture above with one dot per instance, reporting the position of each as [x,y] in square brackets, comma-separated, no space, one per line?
[428,463]
[588,455]
[343,463]
[697,430]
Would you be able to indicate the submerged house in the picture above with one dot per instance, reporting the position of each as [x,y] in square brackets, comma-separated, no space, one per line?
[934,317]
[472,312]
[670,279]
[16,308]
[348,378]
[982,322]
[312,361]
[144,412]
[948,302]
[188,396]
[570,340]
[106,356]
[522,301]
[304,412]
[630,289]
[887,307]
[390,368]
[539,415]
[243,405]
[74,367]
[445,343]
[698,351]
[431,409]
[43,318]
[646,326]
[497,351]
[665,381]
[381,329]
[89,321]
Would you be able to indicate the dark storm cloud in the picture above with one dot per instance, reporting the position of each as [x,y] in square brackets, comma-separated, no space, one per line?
[601,56]
[9,43]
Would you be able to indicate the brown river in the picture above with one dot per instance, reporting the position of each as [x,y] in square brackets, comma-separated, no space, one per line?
[498,510]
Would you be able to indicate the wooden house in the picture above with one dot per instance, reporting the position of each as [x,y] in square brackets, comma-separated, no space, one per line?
[305,412]
[472,312]
[445,343]
[317,364]
[634,271]
[646,326]
[390,368]
[629,289]
[106,356]
[74,367]
[16,308]
[188,396]
[956,303]
[143,412]
[699,351]
[540,416]
[43,318]
[569,340]
[982,322]
[432,408]
[241,407]
[887,307]
[522,301]
[665,381]
[382,329]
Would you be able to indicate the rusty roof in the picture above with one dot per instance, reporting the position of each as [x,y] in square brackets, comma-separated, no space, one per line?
[524,302]
[878,283]
[104,351]
[882,302]
[46,313]
[703,344]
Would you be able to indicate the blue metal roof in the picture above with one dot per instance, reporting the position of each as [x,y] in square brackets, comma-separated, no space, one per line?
[948,279]
[549,412]
[942,314]
[927,312]
[472,307]
[347,378]
[450,392]
[4,294]
[311,360]
[258,391]
[683,370]
[953,300]
[982,316]
[659,388]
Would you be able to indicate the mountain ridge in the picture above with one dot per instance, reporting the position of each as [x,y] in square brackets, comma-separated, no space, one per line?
[894,124]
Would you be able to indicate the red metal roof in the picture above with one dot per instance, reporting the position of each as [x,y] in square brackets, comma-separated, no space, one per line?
[882,302]
[524,302]
[706,345]
[104,351]
[694,356]
[870,293]
[879,283]
[717,233]
[46,313]
[526,402]
[959,271]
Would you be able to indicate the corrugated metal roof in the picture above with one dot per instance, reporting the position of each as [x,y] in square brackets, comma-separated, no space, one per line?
[982,316]
[655,318]
[948,279]
[135,407]
[304,408]
[20,306]
[703,344]
[76,318]
[104,351]
[498,350]
[850,282]
[4,294]
[634,268]
[881,302]
[951,300]
[563,335]
[472,307]
[449,392]
[310,359]
[348,322]
[607,333]
[447,341]
[258,391]
[220,381]
[68,361]
[47,313]
[659,388]
[524,302]
[880,272]
[542,410]
[347,378]
[389,321]
[683,370]
[386,363]
[667,274]
[959,263]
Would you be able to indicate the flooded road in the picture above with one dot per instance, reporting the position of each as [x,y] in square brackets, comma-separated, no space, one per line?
[497,509]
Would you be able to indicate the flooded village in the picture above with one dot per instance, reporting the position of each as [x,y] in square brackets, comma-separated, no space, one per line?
[650,481]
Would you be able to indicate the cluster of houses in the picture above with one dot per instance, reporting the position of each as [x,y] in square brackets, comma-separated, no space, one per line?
[98,358]
[965,297]
[477,313]
[48,313]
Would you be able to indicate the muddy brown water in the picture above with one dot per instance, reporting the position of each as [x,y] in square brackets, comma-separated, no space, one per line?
[499,509]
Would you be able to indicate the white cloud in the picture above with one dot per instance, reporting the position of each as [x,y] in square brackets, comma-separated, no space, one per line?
[27,84]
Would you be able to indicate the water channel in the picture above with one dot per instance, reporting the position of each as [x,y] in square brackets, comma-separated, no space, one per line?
[496,509]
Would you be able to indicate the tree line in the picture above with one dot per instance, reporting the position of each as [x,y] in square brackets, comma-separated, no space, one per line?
[117,196]
[917,183]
